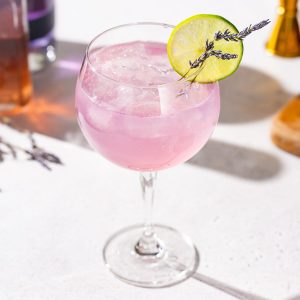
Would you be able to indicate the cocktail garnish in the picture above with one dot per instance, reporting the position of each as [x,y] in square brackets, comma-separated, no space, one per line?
[188,35]
[228,36]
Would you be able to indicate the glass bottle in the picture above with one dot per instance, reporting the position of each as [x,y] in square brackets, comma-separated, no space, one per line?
[41,25]
[15,81]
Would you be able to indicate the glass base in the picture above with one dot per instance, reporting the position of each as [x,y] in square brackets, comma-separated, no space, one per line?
[177,260]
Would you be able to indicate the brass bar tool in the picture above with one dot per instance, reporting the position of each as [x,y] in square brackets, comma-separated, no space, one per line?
[285,38]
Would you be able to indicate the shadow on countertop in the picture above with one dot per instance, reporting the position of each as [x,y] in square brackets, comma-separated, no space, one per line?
[221,286]
[51,110]
[237,160]
[250,95]
[228,289]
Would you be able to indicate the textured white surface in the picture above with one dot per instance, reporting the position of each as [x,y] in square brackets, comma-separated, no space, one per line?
[238,199]
[245,223]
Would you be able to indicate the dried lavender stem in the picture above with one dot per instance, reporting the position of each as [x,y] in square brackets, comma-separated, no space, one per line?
[235,37]
[227,36]
[35,153]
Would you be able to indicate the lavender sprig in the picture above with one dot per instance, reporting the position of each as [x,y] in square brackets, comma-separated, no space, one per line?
[228,36]
[35,153]
[209,51]
[40,155]
[9,150]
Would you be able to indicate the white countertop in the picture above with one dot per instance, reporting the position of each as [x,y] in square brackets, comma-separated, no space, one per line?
[245,221]
[238,198]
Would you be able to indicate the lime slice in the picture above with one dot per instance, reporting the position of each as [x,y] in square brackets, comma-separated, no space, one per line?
[187,43]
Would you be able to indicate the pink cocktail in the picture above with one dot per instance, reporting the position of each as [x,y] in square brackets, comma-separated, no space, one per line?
[137,112]
[143,119]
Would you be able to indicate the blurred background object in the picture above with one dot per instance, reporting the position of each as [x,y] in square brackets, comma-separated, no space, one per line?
[285,38]
[51,110]
[15,82]
[285,41]
[41,25]
[286,127]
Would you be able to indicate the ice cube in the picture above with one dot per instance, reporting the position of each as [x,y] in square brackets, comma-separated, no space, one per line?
[99,116]
[174,97]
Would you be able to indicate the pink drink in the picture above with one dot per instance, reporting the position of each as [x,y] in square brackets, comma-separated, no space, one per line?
[134,111]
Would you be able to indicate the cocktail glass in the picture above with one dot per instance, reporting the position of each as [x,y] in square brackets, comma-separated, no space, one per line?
[139,114]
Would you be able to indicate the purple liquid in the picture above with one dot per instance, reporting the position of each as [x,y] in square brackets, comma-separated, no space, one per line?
[41,22]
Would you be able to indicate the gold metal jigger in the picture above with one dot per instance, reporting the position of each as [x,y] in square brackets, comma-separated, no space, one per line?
[285,38]
[285,41]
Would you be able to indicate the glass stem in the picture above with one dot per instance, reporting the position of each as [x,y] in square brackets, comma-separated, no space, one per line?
[148,244]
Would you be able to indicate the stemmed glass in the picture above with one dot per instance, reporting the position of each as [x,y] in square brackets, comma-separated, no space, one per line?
[139,114]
